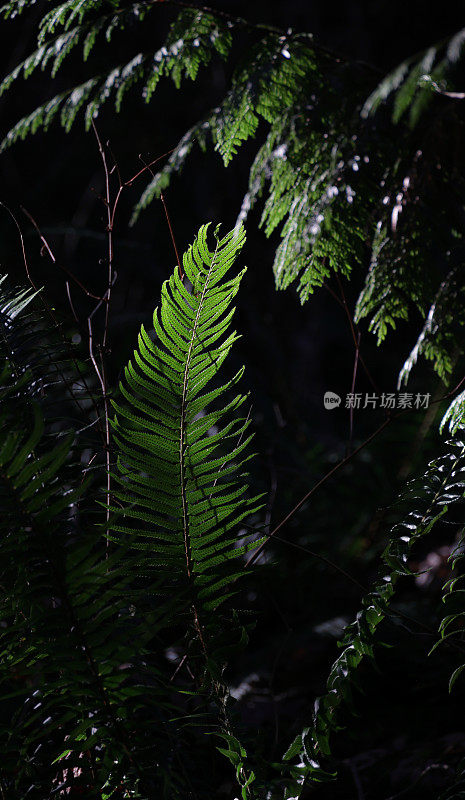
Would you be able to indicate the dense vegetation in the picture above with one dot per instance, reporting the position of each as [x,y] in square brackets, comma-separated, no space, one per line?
[183,543]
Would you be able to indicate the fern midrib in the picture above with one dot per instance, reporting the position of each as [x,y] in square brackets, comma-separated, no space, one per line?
[182,442]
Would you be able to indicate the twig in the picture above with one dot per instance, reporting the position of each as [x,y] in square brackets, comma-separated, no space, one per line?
[272,494]
[52,317]
[110,222]
[325,560]
[53,259]
[323,480]
[353,329]
[351,410]
[355,332]
[148,166]
[68,292]
[162,198]
[110,203]
[182,661]
[101,374]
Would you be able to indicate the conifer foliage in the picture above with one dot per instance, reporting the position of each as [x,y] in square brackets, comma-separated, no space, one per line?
[327,163]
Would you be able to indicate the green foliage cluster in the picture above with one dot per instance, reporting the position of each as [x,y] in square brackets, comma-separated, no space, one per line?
[410,83]
[87,604]
[425,502]
[337,185]
[119,618]
[91,605]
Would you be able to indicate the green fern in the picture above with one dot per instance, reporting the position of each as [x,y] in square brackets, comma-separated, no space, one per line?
[191,42]
[440,336]
[451,624]
[78,621]
[180,485]
[341,190]
[439,488]
[411,83]
[266,85]
[417,253]
[314,183]
[455,414]
[181,488]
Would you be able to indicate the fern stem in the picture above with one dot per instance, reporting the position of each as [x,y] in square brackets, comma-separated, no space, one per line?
[182,436]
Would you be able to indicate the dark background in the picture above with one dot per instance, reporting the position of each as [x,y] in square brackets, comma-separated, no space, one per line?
[293,354]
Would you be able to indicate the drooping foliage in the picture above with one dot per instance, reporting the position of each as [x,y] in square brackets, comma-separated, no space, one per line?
[70,718]
[337,177]
[411,81]
[425,502]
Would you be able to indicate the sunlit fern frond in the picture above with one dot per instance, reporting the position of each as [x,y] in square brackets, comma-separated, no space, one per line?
[331,168]
[182,448]
[410,86]
[417,250]
[181,494]
[193,39]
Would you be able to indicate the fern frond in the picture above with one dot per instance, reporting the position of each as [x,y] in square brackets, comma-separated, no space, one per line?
[39,119]
[14,8]
[65,15]
[404,270]
[313,181]
[32,366]
[433,494]
[417,254]
[410,84]
[451,625]
[181,487]
[191,42]
[332,183]
[56,50]
[271,79]
[455,414]
[437,341]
